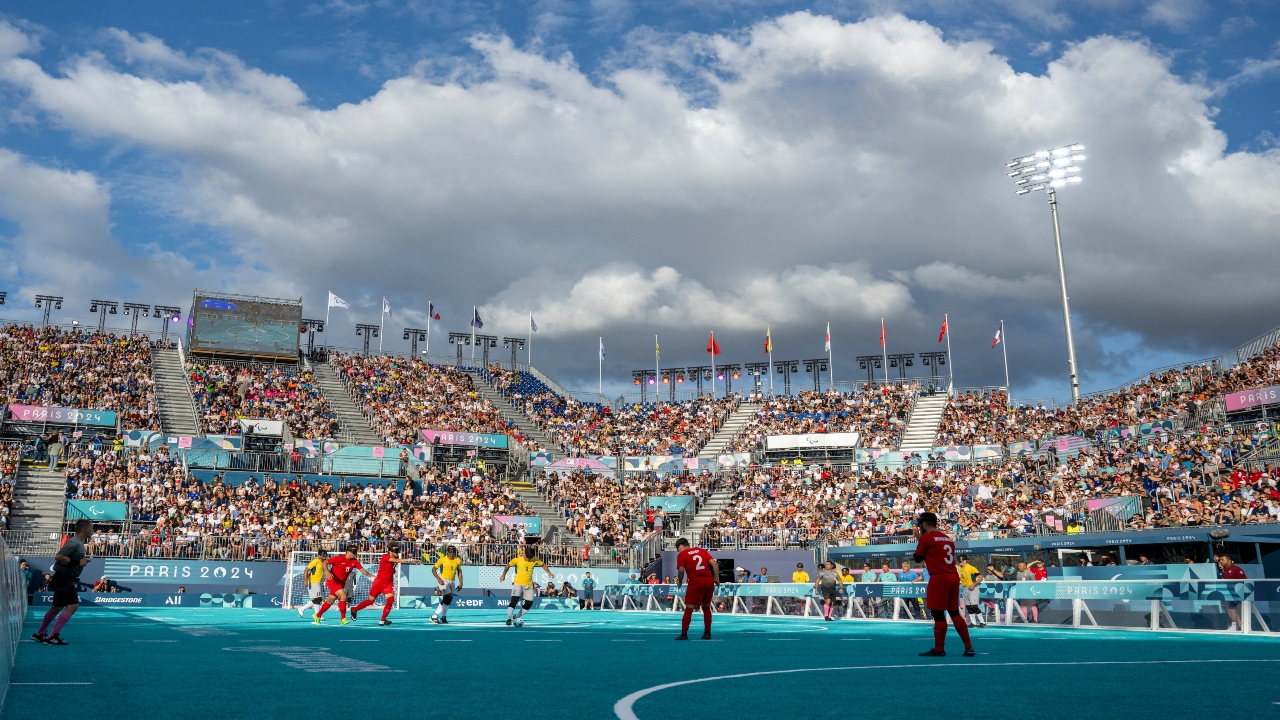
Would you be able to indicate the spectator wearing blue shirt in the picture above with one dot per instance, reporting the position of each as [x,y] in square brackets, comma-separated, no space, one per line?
[908,574]
[763,577]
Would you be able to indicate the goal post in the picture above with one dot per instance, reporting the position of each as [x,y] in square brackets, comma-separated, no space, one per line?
[295,582]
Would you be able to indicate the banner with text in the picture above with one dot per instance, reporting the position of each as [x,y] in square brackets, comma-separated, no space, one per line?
[62,415]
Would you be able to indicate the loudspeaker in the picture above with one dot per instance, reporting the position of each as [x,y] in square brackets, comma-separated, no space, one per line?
[726,570]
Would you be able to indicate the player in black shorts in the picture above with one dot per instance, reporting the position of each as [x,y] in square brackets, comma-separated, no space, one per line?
[68,563]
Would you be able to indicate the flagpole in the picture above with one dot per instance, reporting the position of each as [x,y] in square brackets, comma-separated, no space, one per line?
[657,368]
[768,332]
[600,357]
[429,314]
[951,367]
[713,365]
[529,347]
[326,320]
[831,363]
[884,351]
[473,336]
[1004,349]
[382,321]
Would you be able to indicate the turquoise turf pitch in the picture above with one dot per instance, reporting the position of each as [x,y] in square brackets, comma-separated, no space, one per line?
[249,663]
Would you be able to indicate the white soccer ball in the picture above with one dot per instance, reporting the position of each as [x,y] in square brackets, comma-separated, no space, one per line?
[519,622]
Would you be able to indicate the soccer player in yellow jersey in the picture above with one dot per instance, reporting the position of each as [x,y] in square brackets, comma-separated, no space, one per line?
[448,572]
[314,578]
[523,586]
[970,576]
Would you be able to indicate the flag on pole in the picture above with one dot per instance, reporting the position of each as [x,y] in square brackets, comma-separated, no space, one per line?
[532,325]
[601,348]
[657,349]
[713,347]
[999,336]
[827,347]
[476,322]
[768,341]
[431,311]
[943,332]
[386,306]
[335,301]
[881,332]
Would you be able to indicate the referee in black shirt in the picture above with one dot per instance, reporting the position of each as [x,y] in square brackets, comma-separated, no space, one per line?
[68,563]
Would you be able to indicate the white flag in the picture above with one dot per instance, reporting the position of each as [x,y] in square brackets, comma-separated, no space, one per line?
[386,306]
[335,301]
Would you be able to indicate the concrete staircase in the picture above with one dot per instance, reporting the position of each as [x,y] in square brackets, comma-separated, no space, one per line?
[729,430]
[39,501]
[354,427]
[532,433]
[552,520]
[174,404]
[709,510]
[922,426]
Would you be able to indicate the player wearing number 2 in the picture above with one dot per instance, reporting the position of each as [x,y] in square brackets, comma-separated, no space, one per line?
[942,596]
[704,575]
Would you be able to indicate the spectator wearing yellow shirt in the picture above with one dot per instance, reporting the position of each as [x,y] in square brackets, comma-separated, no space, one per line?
[799,576]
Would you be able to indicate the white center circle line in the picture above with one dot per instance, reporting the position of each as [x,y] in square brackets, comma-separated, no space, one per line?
[623,708]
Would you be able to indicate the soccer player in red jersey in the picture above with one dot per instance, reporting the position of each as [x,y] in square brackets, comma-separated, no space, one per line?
[336,571]
[383,584]
[704,575]
[942,596]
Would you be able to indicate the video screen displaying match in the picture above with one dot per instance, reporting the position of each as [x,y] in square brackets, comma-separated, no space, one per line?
[240,326]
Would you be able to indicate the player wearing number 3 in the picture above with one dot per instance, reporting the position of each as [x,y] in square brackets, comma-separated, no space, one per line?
[942,596]
[704,575]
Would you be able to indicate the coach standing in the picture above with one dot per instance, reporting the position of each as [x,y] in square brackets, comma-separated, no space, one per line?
[68,563]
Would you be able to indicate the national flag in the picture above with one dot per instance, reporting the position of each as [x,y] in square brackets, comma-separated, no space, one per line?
[827,348]
[532,325]
[768,341]
[476,322]
[943,332]
[713,347]
[657,349]
[999,336]
[386,306]
[601,348]
[431,310]
[335,301]
[882,332]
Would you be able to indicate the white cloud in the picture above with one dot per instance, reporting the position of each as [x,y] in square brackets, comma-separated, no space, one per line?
[620,296]
[825,158]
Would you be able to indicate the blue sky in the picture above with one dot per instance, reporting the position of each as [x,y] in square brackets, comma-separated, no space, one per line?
[1174,91]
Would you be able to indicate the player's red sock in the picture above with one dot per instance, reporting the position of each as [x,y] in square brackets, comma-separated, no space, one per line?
[323,608]
[962,629]
[684,622]
[706,618]
[939,634]
[386,610]
[342,609]
[367,602]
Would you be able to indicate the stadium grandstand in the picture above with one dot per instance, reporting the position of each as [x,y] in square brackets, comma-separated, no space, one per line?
[289,457]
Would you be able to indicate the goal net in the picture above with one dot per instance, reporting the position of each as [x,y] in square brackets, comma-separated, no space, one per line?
[295,581]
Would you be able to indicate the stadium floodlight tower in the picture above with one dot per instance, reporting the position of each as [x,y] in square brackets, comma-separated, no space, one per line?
[311,326]
[135,311]
[413,335]
[168,314]
[367,331]
[49,303]
[102,307]
[1050,170]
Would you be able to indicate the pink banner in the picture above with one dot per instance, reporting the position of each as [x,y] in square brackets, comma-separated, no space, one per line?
[1252,398]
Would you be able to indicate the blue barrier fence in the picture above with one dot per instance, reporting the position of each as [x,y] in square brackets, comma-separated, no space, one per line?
[1250,606]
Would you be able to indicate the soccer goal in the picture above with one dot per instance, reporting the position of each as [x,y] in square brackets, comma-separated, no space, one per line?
[295,582]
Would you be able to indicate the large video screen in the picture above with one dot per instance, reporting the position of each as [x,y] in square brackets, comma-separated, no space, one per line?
[220,324]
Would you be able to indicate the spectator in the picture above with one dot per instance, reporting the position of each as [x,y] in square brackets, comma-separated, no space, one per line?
[799,576]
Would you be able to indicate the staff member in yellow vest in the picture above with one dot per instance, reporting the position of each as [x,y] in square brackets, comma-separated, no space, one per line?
[969,580]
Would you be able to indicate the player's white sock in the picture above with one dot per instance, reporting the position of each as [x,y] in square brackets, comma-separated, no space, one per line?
[444,610]
[510,611]
[520,612]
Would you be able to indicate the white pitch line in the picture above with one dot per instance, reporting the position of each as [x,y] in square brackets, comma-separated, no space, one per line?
[344,641]
[542,641]
[156,641]
[623,708]
[53,683]
[453,641]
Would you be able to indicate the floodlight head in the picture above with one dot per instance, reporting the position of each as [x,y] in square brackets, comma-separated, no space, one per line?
[652,381]
[1076,148]
[636,381]
[112,310]
[666,380]
[406,335]
[736,375]
[93,307]
[1024,191]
